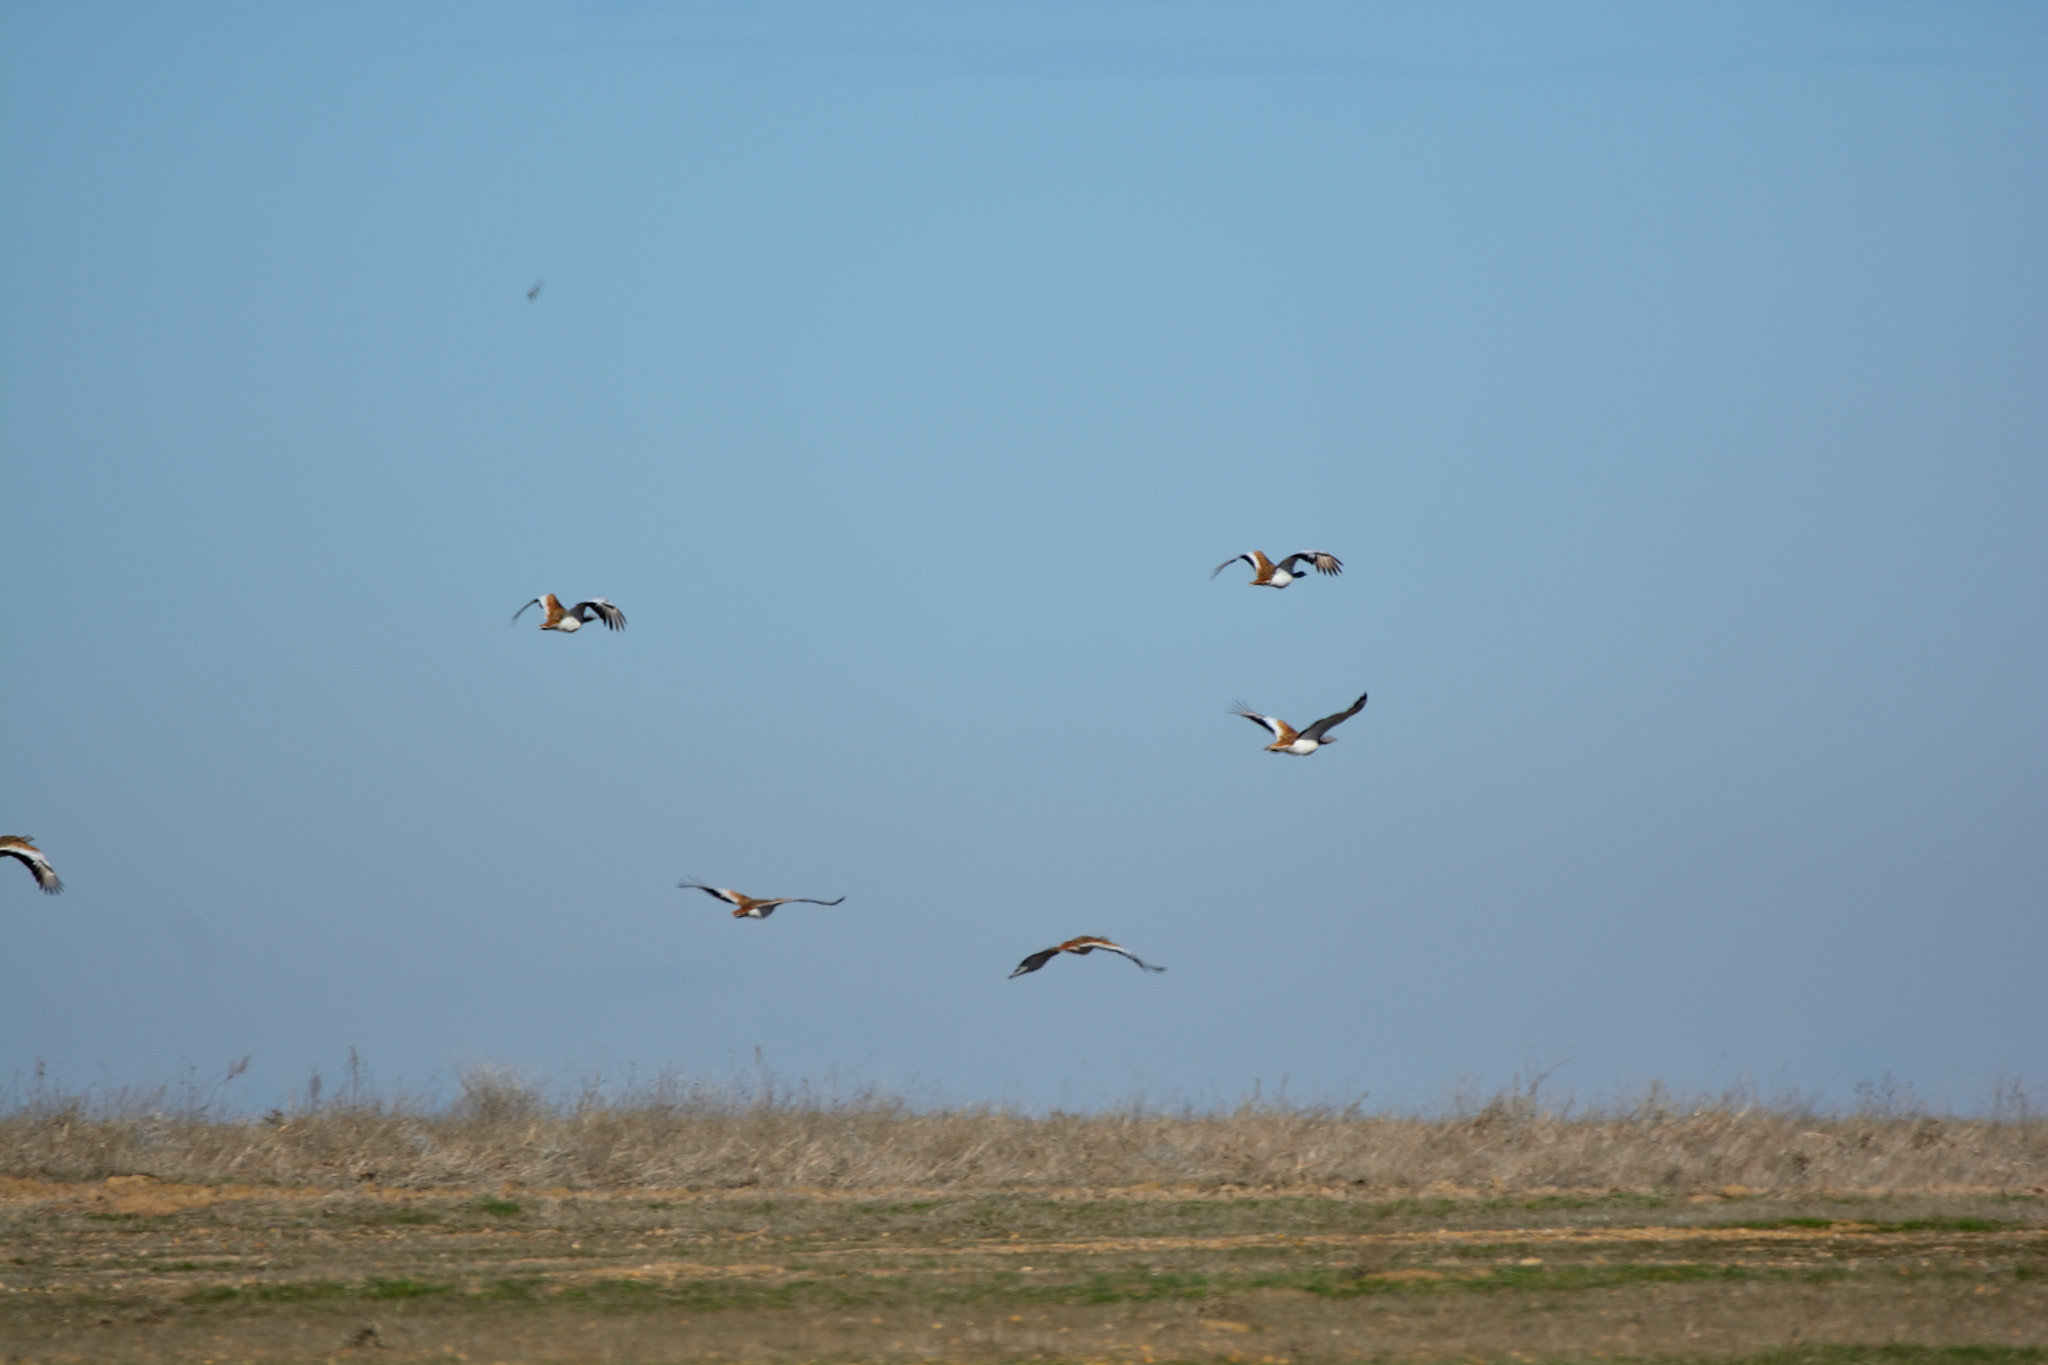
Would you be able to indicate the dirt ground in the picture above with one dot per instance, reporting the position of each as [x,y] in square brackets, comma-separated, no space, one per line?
[134,1269]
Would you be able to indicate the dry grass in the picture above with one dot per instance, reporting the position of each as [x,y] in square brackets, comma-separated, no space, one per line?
[674,1222]
[673,1135]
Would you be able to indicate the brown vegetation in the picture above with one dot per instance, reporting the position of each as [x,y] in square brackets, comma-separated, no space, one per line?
[676,1222]
[678,1136]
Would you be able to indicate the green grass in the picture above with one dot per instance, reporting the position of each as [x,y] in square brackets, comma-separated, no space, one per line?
[1012,1287]
[1619,1201]
[1851,1226]
[717,1297]
[512,1291]
[313,1291]
[1773,1224]
[1580,1278]
[404,1289]
[883,1210]
[1613,1199]
[1430,1209]
[1893,1354]
[411,1218]
[212,1293]
[497,1208]
[1793,1355]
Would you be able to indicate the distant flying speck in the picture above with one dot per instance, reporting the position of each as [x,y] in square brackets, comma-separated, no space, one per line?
[1267,574]
[1288,740]
[749,906]
[534,292]
[569,620]
[1080,947]
[31,857]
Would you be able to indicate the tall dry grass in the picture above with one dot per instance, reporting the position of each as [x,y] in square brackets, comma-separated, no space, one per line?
[753,1134]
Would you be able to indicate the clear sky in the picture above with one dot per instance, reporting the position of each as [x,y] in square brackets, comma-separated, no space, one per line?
[1673,381]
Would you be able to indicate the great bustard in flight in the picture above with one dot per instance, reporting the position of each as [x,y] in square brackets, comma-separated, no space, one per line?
[749,907]
[31,857]
[1267,574]
[1080,947]
[1288,740]
[569,620]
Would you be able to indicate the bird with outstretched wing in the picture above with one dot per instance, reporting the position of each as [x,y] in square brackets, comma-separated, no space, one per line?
[1288,740]
[1080,947]
[569,620]
[1267,574]
[751,907]
[23,850]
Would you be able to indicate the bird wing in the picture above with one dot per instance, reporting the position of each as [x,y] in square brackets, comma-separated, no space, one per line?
[604,612]
[1324,563]
[1282,731]
[32,858]
[1316,731]
[1230,561]
[522,611]
[534,292]
[805,900]
[1035,961]
[729,897]
[1088,943]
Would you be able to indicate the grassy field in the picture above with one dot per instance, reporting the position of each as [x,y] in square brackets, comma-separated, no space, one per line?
[373,1232]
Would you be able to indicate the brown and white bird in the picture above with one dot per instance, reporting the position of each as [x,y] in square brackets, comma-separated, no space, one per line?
[1267,574]
[1288,740]
[31,857]
[569,620]
[747,906]
[1080,947]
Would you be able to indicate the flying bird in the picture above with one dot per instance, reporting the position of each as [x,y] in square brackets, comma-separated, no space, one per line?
[569,620]
[31,857]
[1267,574]
[747,907]
[534,292]
[1288,740]
[1080,947]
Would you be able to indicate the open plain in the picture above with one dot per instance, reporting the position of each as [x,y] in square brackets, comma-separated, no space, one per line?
[504,1229]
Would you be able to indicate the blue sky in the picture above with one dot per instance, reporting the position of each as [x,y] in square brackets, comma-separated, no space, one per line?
[1670,380]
